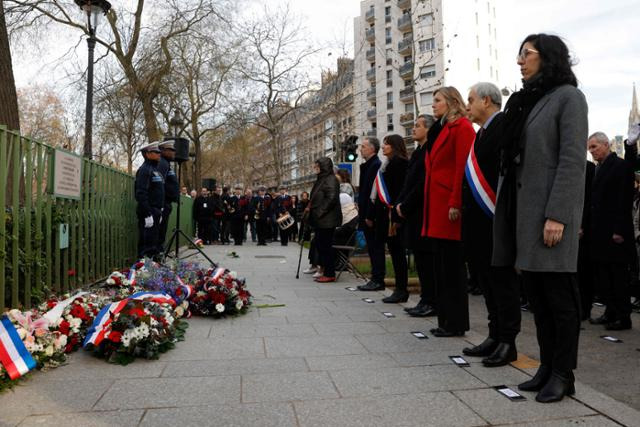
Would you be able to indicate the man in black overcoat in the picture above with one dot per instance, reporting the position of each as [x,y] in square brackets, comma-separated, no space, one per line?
[612,238]
[480,185]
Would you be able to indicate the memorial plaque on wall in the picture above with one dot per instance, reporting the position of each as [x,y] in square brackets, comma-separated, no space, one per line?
[67,175]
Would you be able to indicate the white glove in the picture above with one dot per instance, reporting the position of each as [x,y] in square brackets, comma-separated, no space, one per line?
[160,221]
[634,133]
[148,222]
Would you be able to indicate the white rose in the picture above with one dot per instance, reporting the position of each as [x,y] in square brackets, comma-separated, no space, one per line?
[49,351]
[179,311]
[22,333]
[219,308]
[110,281]
[61,341]
[239,305]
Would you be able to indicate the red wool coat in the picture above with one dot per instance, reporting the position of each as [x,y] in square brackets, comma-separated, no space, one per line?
[444,166]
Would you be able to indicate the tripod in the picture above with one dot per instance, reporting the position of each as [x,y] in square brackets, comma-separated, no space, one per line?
[177,232]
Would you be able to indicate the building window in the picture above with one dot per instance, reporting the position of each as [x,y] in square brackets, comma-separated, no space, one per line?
[408,108]
[426,98]
[389,54]
[387,11]
[427,45]
[426,19]
[389,122]
[428,71]
[478,61]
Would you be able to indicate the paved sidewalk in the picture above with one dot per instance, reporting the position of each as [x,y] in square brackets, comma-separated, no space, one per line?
[324,359]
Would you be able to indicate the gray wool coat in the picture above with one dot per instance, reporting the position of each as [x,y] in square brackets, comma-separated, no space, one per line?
[549,185]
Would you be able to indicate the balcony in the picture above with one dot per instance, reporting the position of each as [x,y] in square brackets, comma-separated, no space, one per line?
[372,114]
[370,15]
[405,47]
[406,119]
[404,4]
[370,34]
[406,95]
[371,74]
[372,132]
[371,54]
[404,23]
[371,94]
[406,71]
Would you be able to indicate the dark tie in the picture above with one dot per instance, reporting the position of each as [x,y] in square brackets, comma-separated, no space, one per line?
[479,134]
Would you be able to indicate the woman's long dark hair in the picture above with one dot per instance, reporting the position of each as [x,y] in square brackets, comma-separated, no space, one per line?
[555,64]
[397,144]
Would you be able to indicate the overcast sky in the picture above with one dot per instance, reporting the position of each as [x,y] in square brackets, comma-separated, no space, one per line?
[602,35]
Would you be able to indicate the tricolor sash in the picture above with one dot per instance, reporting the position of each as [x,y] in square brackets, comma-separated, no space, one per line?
[154,296]
[14,356]
[381,189]
[480,188]
[97,331]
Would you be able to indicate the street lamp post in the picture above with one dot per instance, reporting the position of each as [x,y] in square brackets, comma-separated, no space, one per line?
[93,9]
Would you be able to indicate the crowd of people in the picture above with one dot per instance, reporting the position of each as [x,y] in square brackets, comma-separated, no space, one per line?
[515,207]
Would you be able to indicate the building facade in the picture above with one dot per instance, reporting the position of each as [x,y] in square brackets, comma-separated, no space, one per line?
[406,49]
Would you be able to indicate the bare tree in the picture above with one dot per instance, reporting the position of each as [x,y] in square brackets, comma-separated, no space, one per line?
[139,40]
[8,96]
[276,59]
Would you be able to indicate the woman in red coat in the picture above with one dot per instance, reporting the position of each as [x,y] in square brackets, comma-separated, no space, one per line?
[448,145]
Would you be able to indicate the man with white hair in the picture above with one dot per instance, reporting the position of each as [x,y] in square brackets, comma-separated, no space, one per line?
[499,286]
[612,238]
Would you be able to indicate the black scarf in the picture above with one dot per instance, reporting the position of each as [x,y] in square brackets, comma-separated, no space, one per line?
[433,132]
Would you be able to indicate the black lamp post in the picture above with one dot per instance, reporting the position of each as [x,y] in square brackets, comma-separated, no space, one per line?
[93,9]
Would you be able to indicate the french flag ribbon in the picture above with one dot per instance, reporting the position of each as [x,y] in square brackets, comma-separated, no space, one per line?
[132,275]
[97,331]
[14,356]
[188,289]
[381,189]
[154,296]
[480,188]
[218,273]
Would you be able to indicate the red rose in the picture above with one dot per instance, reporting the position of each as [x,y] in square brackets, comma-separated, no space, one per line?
[64,327]
[115,336]
[137,311]
[71,273]
[78,311]
[218,298]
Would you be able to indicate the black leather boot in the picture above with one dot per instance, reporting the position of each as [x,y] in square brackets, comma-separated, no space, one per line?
[505,353]
[558,386]
[538,381]
[396,297]
[486,348]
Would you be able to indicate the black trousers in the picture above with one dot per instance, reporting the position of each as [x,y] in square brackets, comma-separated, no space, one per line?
[613,285]
[586,282]
[327,255]
[399,259]
[205,230]
[501,292]
[262,230]
[148,238]
[425,265]
[375,247]
[225,230]
[284,236]
[217,226]
[162,229]
[237,228]
[555,302]
[451,293]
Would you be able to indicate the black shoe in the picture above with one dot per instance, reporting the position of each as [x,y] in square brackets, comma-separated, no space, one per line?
[558,386]
[424,311]
[441,333]
[618,325]
[486,348]
[503,355]
[602,320]
[417,306]
[396,297]
[371,286]
[538,381]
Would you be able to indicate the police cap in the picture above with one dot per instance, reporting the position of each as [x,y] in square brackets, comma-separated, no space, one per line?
[152,146]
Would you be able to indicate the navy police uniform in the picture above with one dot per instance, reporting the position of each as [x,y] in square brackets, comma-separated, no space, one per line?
[150,196]
[171,195]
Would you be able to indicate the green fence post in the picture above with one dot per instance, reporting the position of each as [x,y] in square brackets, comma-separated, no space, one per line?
[28,256]
[4,167]
[15,219]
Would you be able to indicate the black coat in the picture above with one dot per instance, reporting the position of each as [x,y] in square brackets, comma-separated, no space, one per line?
[368,171]
[412,197]
[611,211]
[477,225]
[325,209]
[203,209]
[394,176]
[149,190]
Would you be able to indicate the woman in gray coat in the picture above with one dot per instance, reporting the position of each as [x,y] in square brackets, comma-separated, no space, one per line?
[539,206]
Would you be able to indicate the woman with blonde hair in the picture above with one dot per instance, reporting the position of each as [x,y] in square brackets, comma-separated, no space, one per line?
[448,145]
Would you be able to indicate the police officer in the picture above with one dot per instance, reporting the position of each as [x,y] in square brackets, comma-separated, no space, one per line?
[149,193]
[171,186]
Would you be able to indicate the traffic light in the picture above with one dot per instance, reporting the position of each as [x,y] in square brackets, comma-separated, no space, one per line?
[350,148]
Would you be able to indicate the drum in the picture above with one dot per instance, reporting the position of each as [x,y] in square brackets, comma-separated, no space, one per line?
[285,221]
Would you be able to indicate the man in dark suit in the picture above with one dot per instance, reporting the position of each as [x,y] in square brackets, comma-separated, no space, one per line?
[479,188]
[612,238]
[203,215]
[368,170]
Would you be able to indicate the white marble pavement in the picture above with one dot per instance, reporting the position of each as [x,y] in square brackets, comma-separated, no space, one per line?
[324,359]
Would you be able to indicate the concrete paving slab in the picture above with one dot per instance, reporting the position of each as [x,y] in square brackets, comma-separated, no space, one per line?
[430,409]
[386,381]
[497,409]
[170,392]
[86,419]
[260,330]
[287,387]
[496,376]
[313,346]
[350,328]
[217,348]
[429,358]
[405,342]
[591,421]
[325,318]
[255,414]
[354,361]
[211,368]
